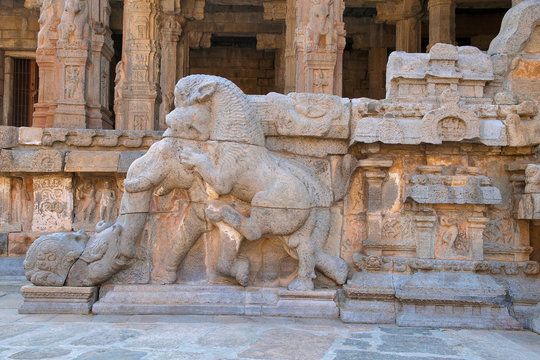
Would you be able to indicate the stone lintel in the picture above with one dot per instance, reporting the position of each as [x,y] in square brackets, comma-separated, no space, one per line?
[40,161]
[92,161]
[375,163]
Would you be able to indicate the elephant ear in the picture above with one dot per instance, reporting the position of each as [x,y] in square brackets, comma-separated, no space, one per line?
[204,92]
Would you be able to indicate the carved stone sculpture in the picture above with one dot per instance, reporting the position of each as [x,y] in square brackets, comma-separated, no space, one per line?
[46,21]
[73,26]
[214,147]
[286,198]
[107,202]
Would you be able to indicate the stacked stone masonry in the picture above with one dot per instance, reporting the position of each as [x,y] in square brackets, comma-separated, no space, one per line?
[421,209]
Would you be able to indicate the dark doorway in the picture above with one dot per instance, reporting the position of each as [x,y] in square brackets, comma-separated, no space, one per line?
[25,91]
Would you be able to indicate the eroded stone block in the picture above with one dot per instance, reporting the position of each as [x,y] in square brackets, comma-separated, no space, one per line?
[92,161]
[31,161]
[8,137]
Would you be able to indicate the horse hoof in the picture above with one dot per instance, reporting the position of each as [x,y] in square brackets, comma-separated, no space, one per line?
[301,285]
[342,273]
[213,213]
[242,272]
[164,278]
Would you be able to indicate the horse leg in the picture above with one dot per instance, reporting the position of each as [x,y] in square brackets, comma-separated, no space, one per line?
[332,266]
[229,263]
[191,230]
[247,226]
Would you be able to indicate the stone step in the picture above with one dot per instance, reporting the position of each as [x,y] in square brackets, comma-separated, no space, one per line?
[215,300]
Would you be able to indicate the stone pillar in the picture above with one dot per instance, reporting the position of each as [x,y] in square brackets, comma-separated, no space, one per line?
[101,53]
[170,36]
[73,55]
[442,22]
[49,18]
[319,43]
[289,56]
[425,236]
[136,96]
[476,226]
[5,200]
[377,59]
[408,35]
[72,52]
[406,16]
[375,175]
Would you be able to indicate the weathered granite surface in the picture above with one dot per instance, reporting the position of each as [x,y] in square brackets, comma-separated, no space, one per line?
[417,209]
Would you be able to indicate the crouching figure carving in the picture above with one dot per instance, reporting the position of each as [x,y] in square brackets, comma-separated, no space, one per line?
[214,148]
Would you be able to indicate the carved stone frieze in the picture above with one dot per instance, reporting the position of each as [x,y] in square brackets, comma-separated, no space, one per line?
[432,186]
[53,203]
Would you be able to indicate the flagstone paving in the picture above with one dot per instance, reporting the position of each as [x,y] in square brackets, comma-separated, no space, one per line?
[232,337]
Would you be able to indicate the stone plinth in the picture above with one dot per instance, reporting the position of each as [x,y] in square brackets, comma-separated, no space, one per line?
[369,298]
[57,299]
[453,300]
[215,300]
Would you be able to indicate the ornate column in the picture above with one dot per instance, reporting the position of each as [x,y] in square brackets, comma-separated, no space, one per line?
[377,59]
[442,22]
[101,53]
[476,226]
[170,36]
[319,43]
[406,16]
[289,56]
[72,52]
[49,18]
[425,236]
[375,175]
[136,91]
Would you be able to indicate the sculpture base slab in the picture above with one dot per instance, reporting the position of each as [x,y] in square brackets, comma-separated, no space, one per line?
[57,300]
[432,299]
[215,300]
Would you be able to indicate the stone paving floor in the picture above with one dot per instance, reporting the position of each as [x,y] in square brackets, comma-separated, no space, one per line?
[232,337]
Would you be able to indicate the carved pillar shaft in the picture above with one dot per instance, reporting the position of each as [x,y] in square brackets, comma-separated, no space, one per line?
[47,62]
[377,59]
[101,53]
[442,22]
[170,36]
[139,90]
[408,35]
[425,236]
[375,181]
[5,200]
[319,43]
[476,226]
[289,55]
[375,176]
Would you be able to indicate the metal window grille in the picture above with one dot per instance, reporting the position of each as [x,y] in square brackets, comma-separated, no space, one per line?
[25,85]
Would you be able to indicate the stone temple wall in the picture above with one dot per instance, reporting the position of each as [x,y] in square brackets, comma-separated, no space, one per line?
[434,196]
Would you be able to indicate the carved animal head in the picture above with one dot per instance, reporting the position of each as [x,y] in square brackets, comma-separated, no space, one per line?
[213,108]
[50,257]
